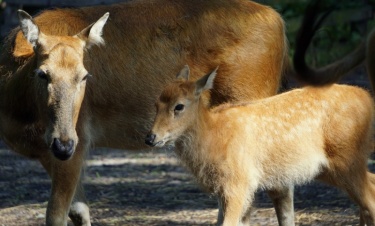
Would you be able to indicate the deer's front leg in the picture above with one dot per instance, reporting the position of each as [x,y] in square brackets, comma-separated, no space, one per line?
[79,210]
[234,202]
[66,184]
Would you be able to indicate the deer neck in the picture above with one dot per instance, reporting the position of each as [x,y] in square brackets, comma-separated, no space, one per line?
[193,139]
[194,149]
[18,92]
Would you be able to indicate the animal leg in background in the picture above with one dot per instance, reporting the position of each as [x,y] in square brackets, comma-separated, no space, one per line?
[282,200]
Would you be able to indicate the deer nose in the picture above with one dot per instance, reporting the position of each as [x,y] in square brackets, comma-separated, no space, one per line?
[62,150]
[150,138]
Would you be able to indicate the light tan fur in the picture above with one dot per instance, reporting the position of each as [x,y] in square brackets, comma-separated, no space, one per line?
[112,108]
[275,143]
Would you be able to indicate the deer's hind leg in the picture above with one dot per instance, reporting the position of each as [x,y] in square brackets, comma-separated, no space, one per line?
[360,186]
[362,191]
[365,197]
[282,200]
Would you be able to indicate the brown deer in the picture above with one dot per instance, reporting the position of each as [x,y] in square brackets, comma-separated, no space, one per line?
[53,110]
[275,143]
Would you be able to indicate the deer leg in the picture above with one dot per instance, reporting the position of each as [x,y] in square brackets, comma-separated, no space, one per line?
[220,215]
[361,219]
[233,211]
[66,184]
[246,217]
[234,204]
[360,186]
[79,210]
[282,200]
[364,194]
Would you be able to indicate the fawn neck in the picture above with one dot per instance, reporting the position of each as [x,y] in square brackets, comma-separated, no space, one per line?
[194,148]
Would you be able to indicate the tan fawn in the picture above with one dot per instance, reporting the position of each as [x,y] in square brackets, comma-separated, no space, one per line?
[272,144]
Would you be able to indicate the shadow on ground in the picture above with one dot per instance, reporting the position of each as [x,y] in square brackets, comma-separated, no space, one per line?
[150,188]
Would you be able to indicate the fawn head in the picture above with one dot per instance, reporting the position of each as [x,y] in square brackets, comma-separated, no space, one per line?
[177,107]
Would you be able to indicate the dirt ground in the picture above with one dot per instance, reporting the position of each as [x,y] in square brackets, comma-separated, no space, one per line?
[151,188]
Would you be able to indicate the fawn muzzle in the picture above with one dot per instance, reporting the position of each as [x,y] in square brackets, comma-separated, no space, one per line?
[150,139]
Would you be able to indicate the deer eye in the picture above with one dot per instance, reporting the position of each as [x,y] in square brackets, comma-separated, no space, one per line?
[86,76]
[41,74]
[179,107]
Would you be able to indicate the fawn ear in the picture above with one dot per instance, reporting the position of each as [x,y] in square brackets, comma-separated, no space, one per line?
[29,29]
[205,83]
[184,73]
[92,34]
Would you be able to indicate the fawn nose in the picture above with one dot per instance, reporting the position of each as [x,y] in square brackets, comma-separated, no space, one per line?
[62,150]
[150,138]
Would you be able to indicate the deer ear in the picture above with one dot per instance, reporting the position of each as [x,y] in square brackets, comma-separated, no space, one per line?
[205,83]
[184,73]
[29,29]
[92,34]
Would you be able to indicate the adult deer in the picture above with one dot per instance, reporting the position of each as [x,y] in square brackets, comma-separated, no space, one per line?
[324,133]
[52,110]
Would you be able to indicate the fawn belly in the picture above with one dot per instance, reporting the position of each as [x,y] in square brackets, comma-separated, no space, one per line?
[297,167]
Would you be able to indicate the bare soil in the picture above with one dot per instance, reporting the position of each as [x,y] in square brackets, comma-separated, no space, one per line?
[151,188]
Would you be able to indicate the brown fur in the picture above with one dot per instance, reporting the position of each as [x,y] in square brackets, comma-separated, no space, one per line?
[324,133]
[146,45]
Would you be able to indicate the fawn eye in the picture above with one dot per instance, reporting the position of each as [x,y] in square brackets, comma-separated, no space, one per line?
[86,76]
[41,74]
[179,107]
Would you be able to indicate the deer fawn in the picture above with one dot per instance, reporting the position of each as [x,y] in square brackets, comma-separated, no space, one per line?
[275,143]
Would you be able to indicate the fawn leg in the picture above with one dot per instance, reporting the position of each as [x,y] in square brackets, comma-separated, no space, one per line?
[220,215]
[283,203]
[360,186]
[235,204]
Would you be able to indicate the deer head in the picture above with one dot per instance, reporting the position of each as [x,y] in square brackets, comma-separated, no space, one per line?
[60,79]
[177,107]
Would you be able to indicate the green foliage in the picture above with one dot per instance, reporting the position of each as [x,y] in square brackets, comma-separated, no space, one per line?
[333,42]
[340,34]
